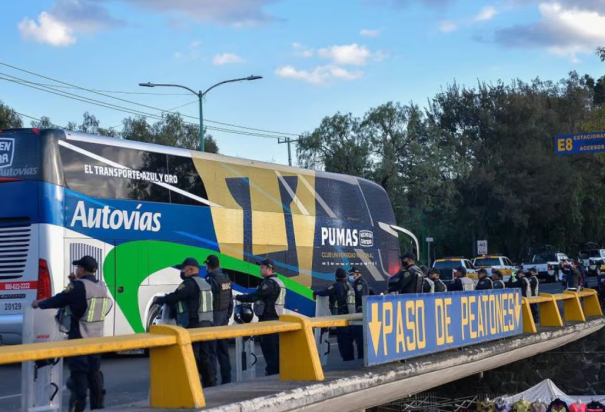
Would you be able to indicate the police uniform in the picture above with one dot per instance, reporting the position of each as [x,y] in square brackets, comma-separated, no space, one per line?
[269,299]
[361,288]
[408,280]
[223,309]
[84,305]
[342,302]
[484,284]
[521,283]
[534,285]
[194,309]
[440,286]
[499,284]
[428,286]
[463,283]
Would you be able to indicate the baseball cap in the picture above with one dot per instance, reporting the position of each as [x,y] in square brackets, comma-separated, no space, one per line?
[408,255]
[188,262]
[88,263]
[267,262]
[341,273]
[212,261]
[354,270]
[461,269]
[482,270]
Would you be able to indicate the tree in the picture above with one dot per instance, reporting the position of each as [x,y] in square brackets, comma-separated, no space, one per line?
[601,53]
[43,123]
[9,119]
[335,146]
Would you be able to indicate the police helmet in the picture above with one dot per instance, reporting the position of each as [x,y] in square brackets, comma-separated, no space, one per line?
[243,313]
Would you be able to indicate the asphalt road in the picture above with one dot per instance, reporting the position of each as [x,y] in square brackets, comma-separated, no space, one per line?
[127,377]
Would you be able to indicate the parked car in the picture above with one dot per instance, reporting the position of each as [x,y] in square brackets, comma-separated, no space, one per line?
[499,262]
[447,266]
[547,264]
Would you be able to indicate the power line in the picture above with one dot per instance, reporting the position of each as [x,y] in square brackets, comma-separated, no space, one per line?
[120,108]
[140,104]
[117,92]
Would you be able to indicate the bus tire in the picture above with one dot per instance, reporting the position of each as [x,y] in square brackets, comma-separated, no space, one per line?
[154,312]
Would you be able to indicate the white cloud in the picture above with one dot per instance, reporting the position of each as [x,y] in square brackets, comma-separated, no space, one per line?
[369,33]
[319,75]
[48,30]
[447,26]
[196,43]
[350,54]
[227,58]
[487,13]
[302,51]
[565,31]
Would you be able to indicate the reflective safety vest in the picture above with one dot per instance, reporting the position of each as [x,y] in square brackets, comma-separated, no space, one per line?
[350,298]
[206,306]
[537,291]
[525,285]
[431,284]
[98,306]
[440,286]
[280,302]
[467,284]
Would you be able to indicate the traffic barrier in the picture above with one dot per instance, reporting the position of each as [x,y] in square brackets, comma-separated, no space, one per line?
[550,316]
[171,347]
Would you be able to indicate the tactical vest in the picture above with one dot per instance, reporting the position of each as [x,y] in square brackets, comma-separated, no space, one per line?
[525,285]
[223,299]
[537,291]
[440,286]
[98,306]
[431,285]
[467,284]
[350,298]
[280,302]
[499,284]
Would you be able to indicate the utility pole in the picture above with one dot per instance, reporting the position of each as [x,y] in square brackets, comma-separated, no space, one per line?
[287,140]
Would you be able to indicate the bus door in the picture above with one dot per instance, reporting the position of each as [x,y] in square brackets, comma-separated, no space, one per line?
[76,248]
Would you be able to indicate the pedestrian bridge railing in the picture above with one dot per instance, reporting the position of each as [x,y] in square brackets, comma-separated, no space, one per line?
[174,379]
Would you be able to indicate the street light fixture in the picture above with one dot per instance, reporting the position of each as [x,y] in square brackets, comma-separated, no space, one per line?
[200,96]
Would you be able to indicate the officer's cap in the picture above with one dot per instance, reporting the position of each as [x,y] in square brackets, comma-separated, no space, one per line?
[212,261]
[341,273]
[188,262]
[533,270]
[354,270]
[88,263]
[267,262]
[497,272]
[408,255]
[435,271]
[461,269]
[482,270]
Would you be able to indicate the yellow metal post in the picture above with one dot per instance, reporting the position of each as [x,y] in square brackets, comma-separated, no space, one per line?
[549,312]
[572,309]
[174,380]
[529,326]
[591,303]
[298,356]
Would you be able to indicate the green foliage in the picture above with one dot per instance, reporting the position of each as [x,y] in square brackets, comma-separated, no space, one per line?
[479,163]
[8,118]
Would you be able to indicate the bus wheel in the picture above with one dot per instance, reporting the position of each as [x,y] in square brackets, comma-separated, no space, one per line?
[155,314]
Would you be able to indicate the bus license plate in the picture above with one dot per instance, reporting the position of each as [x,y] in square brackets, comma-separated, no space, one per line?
[13,307]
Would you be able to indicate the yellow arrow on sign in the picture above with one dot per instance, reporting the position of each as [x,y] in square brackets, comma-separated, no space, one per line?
[518,304]
[375,326]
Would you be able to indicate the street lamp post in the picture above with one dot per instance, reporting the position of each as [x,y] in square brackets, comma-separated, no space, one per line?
[200,96]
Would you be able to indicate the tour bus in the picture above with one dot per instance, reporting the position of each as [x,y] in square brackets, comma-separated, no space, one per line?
[140,209]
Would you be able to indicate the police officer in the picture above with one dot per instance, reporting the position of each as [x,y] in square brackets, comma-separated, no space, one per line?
[534,285]
[484,283]
[342,302]
[269,299]
[409,279]
[194,309]
[361,288]
[462,283]
[223,309]
[439,285]
[83,305]
[428,286]
[497,279]
[521,283]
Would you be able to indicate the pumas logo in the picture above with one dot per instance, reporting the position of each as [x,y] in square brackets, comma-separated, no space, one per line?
[346,237]
[106,218]
[7,151]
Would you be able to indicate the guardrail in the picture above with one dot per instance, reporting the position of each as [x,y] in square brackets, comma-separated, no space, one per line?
[550,315]
[170,347]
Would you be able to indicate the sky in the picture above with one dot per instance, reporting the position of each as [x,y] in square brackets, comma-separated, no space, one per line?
[316,57]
